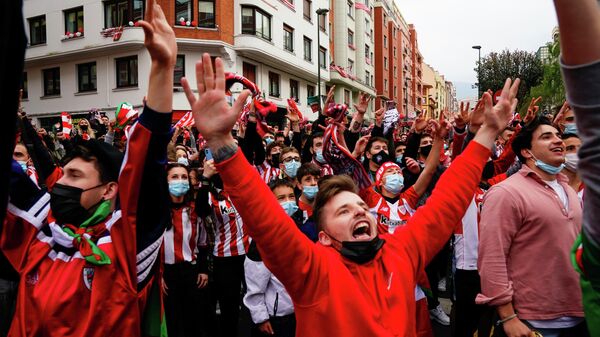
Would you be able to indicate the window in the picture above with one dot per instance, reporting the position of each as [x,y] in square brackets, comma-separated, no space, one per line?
[367,25]
[288,38]
[51,81]
[385,84]
[310,90]
[394,51]
[346,96]
[249,71]
[127,72]
[256,22]
[385,65]
[183,9]
[395,72]
[120,12]
[206,14]
[350,37]
[307,49]
[308,10]
[179,70]
[24,87]
[385,41]
[367,76]
[294,89]
[350,8]
[322,24]
[86,77]
[350,66]
[37,30]
[273,84]
[367,51]
[322,57]
[74,20]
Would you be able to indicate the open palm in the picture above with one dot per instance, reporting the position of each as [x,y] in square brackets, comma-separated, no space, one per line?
[214,118]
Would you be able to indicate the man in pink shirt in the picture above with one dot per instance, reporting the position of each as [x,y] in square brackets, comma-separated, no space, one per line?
[529,223]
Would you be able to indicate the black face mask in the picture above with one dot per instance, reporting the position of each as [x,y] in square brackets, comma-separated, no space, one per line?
[380,157]
[65,203]
[425,150]
[83,127]
[275,160]
[360,252]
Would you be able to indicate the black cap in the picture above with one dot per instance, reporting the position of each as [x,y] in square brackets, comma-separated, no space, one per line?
[109,158]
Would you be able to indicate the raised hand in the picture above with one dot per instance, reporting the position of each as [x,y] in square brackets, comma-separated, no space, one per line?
[532,110]
[329,98]
[292,115]
[476,117]
[413,166]
[214,118]
[379,117]
[360,146]
[363,103]
[461,118]
[159,37]
[420,123]
[560,116]
[440,128]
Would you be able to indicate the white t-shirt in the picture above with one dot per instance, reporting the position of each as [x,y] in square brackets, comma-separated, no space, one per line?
[560,191]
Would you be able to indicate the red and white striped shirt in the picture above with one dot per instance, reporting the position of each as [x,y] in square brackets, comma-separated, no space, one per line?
[326,170]
[231,238]
[32,174]
[181,240]
[267,172]
[466,236]
[390,215]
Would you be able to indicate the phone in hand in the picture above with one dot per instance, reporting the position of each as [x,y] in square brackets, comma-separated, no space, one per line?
[208,154]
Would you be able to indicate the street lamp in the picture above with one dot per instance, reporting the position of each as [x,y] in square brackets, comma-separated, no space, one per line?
[478,71]
[320,11]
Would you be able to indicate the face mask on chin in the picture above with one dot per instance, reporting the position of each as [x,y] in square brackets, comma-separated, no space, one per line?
[360,252]
[550,169]
[65,203]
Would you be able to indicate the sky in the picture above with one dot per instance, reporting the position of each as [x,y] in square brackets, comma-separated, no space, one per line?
[447,29]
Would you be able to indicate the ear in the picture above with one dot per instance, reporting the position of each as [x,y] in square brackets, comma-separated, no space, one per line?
[112,189]
[526,153]
[368,154]
[324,239]
[311,150]
[300,187]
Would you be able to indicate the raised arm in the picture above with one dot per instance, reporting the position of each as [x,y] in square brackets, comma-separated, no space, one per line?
[431,226]
[280,242]
[441,128]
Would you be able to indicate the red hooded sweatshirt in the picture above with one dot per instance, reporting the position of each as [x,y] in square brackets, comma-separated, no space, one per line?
[332,295]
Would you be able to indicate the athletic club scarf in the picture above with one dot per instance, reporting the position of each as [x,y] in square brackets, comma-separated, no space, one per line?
[262,107]
[338,156]
[292,104]
[89,231]
[67,124]
[125,115]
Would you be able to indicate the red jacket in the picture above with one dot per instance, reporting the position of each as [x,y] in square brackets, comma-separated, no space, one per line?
[60,294]
[334,296]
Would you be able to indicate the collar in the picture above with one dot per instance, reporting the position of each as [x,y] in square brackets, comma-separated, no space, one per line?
[526,171]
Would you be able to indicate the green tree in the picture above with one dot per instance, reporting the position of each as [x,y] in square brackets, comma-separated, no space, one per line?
[496,67]
[551,87]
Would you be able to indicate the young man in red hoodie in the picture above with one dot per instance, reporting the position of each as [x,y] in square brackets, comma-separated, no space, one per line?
[353,282]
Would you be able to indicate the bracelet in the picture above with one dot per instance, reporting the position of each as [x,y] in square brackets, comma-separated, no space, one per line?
[502,321]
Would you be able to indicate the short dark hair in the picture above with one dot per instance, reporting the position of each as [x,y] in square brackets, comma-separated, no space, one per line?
[281,182]
[566,136]
[287,150]
[525,136]
[328,189]
[106,159]
[272,145]
[373,140]
[308,169]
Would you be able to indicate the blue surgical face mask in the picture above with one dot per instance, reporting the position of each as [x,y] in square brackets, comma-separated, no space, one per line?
[319,157]
[178,187]
[394,183]
[570,128]
[310,191]
[23,164]
[289,207]
[445,147]
[399,158]
[183,161]
[269,141]
[291,168]
[547,167]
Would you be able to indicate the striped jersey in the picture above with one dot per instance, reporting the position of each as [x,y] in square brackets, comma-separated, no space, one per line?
[466,235]
[267,172]
[181,240]
[326,170]
[231,238]
[391,215]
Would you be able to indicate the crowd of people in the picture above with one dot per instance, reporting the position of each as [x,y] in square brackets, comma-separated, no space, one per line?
[336,227]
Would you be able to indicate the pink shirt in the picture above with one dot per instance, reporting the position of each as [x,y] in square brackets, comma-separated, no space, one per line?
[525,243]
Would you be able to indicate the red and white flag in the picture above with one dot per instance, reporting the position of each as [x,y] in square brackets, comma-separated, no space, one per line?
[185,121]
[362,6]
[67,124]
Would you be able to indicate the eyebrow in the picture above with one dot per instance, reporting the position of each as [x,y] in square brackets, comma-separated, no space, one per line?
[546,134]
[71,170]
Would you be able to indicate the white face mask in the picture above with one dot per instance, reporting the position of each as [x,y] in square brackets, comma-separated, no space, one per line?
[571,160]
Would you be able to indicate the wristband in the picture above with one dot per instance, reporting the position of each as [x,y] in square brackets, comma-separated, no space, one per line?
[502,321]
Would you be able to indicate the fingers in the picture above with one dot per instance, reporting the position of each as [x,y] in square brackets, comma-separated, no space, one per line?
[240,101]
[487,101]
[200,77]
[188,91]
[514,89]
[220,75]
[209,75]
[148,31]
[149,9]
